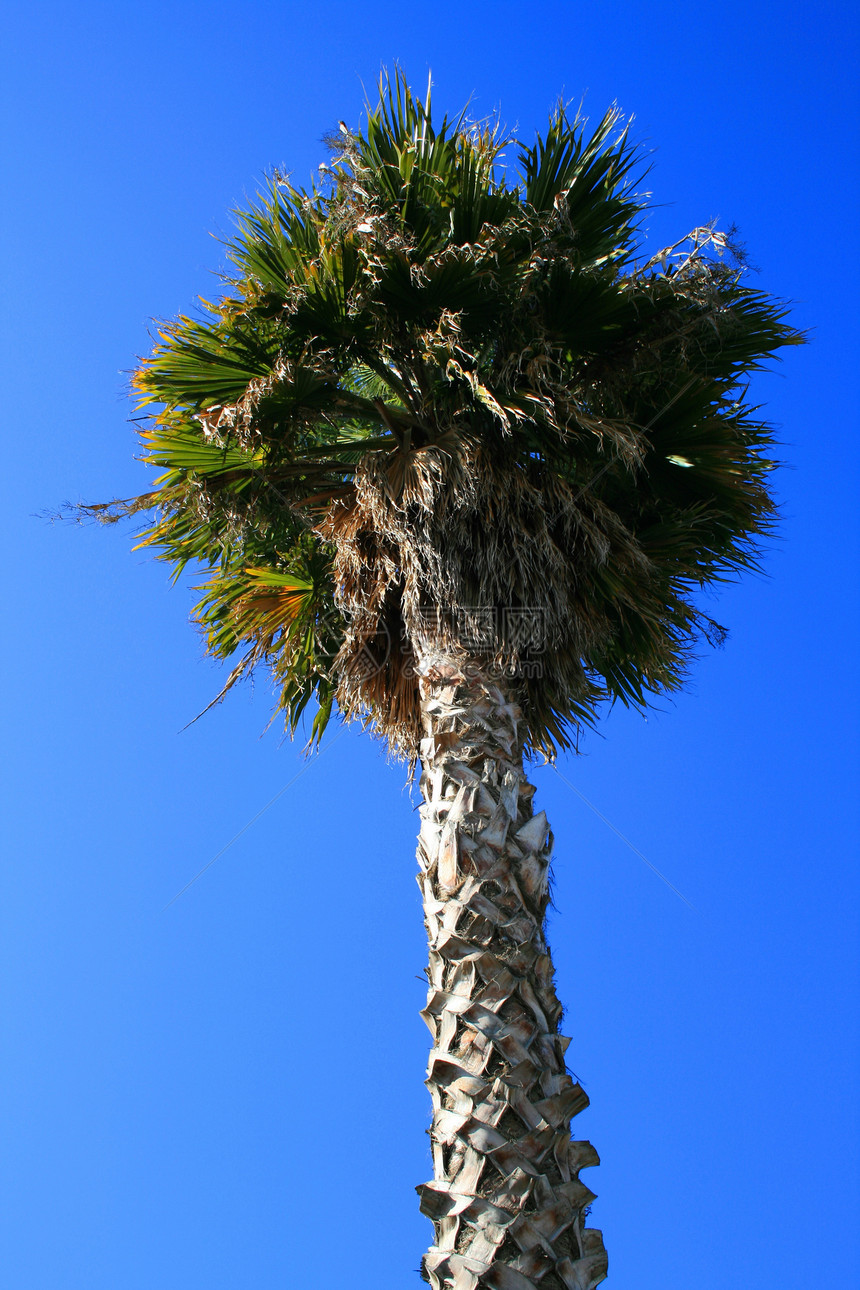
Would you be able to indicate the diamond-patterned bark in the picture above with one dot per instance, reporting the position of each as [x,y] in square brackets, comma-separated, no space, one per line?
[506,1199]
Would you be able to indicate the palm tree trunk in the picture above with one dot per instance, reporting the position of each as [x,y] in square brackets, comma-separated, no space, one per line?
[506,1200]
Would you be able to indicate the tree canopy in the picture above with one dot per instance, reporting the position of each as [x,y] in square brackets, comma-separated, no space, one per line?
[445,392]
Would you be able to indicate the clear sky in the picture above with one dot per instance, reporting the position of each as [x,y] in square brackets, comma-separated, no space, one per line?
[228,1092]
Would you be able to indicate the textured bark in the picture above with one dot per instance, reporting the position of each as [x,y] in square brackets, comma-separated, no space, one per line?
[506,1199]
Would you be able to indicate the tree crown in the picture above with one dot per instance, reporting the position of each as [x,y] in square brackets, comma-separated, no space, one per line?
[443,399]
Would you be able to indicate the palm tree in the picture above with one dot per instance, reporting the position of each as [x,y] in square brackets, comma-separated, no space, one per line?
[453,456]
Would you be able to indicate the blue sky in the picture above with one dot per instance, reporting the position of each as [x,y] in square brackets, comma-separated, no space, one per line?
[228,1092]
